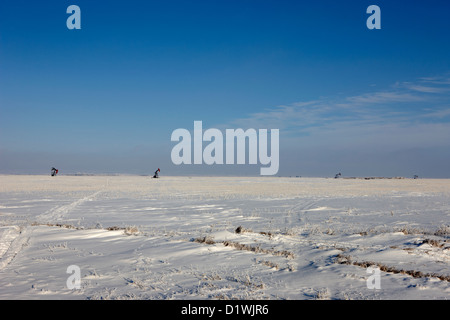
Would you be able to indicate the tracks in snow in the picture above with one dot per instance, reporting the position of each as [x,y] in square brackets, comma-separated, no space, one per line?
[14,238]
[59,212]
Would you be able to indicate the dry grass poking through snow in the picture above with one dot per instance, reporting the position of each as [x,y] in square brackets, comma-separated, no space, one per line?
[346,259]
[131,230]
[240,230]
[258,249]
[246,247]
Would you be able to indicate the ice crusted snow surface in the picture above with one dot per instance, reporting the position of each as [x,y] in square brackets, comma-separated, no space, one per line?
[134,237]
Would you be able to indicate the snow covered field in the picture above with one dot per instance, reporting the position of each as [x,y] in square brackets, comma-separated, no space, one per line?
[133,237]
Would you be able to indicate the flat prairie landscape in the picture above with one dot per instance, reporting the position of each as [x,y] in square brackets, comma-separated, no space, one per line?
[134,237]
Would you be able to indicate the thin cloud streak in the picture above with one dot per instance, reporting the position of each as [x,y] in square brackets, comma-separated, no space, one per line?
[405,103]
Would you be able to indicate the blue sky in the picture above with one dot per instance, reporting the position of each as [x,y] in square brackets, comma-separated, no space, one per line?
[106,98]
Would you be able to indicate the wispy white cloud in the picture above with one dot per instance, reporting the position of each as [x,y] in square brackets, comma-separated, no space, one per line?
[384,97]
[428,89]
[437,80]
[403,104]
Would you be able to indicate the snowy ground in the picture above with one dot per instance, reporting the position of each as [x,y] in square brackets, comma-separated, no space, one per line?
[134,237]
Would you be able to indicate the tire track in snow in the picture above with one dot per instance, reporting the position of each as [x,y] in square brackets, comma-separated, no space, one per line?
[14,238]
[59,212]
[301,208]
[7,236]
